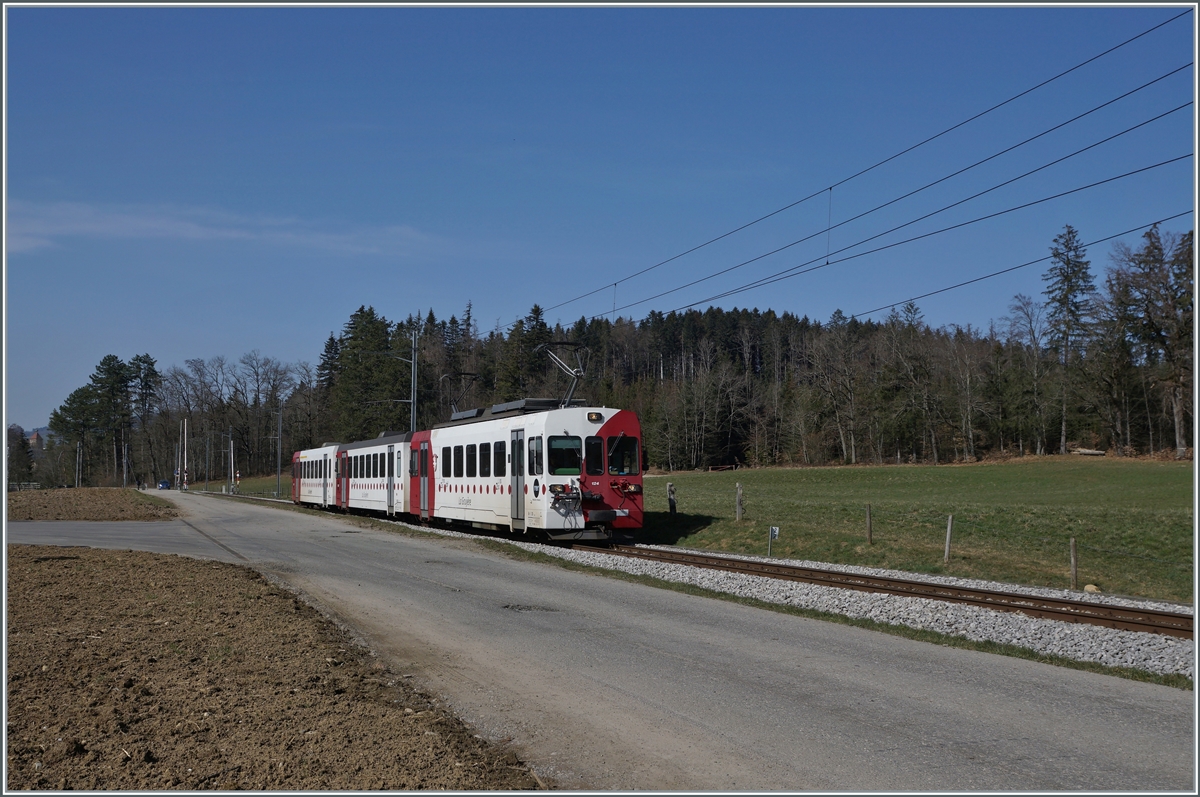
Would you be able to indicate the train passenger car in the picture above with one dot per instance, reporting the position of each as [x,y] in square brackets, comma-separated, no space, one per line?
[313,480]
[533,466]
[540,467]
[371,473]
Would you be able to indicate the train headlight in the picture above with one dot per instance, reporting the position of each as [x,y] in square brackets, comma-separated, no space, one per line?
[595,417]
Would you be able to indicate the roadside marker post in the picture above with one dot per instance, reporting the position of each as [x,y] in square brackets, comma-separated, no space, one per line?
[774,535]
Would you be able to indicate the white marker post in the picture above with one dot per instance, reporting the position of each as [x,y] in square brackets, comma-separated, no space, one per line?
[774,535]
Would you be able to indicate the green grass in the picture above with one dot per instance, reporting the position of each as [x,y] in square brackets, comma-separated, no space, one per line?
[253,485]
[1132,520]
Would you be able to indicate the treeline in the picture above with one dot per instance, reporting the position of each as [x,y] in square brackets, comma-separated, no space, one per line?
[1105,367]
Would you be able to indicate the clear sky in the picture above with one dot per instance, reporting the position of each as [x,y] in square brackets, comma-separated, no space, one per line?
[192,182]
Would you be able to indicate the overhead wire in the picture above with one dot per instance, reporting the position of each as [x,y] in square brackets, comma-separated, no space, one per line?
[1023,265]
[796,271]
[875,165]
[898,227]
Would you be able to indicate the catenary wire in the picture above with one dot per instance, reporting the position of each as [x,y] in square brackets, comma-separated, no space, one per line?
[893,229]
[796,271]
[1015,268]
[873,166]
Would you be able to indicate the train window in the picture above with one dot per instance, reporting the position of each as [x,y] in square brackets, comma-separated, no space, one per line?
[535,456]
[565,456]
[391,467]
[623,456]
[412,462]
[458,462]
[500,458]
[446,462]
[593,456]
[471,460]
[485,459]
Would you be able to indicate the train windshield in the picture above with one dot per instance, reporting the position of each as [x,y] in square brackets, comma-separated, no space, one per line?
[623,456]
[566,454]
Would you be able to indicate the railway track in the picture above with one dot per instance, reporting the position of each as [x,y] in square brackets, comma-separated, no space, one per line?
[1122,617]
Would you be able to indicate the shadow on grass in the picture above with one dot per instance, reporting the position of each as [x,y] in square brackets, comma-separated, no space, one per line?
[663,528]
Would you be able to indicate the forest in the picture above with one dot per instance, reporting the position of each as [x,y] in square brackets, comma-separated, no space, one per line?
[1096,362]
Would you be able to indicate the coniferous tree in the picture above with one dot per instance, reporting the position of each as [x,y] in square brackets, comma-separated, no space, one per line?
[1069,287]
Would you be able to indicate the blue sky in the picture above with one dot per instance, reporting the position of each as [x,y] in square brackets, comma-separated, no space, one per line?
[192,182]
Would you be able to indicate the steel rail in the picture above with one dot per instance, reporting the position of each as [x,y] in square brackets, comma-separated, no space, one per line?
[1121,617]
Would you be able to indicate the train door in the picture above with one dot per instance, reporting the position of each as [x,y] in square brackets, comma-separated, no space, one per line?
[517,469]
[342,473]
[424,467]
[391,480]
[324,480]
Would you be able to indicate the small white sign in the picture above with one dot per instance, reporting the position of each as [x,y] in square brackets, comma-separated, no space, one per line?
[774,532]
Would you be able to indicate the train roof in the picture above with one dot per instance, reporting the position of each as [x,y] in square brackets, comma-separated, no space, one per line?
[384,439]
[508,409]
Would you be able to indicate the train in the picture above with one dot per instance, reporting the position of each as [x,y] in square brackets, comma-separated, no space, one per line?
[553,469]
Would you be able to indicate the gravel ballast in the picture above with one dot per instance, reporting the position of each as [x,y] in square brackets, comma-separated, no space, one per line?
[1156,653]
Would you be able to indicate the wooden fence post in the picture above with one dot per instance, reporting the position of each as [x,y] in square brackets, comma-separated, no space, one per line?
[739,501]
[1074,567]
[868,524]
[949,529]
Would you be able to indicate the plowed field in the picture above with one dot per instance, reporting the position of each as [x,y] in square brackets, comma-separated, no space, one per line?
[132,671]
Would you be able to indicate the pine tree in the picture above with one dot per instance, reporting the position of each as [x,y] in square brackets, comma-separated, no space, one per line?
[1069,287]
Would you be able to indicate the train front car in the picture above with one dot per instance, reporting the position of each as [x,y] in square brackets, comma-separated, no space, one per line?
[592,473]
[541,470]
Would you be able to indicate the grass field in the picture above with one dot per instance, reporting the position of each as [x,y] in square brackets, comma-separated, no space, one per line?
[254,485]
[1132,520]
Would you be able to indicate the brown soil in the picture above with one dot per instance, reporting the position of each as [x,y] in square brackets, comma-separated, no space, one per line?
[88,503]
[132,671]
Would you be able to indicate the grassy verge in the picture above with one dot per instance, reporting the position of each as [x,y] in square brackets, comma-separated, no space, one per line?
[1013,521]
[152,500]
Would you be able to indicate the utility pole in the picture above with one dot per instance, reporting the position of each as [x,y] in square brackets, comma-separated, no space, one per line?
[279,451]
[411,401]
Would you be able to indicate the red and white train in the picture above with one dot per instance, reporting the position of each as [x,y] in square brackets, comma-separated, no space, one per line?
[535,466]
